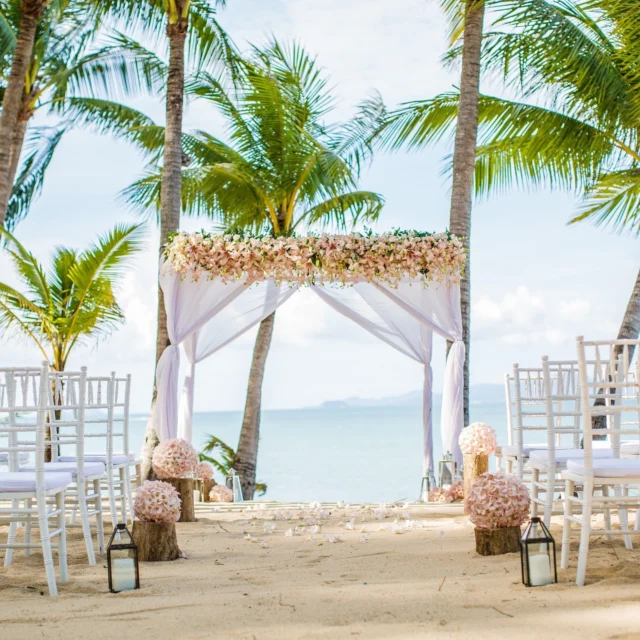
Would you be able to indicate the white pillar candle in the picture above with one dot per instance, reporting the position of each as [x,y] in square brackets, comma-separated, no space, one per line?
[123,574]
[539,570]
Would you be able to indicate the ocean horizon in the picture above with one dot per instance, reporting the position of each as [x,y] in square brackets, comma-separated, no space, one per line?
[325,454]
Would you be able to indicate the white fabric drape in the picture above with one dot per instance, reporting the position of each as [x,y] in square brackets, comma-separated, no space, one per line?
[438,307]
[242,313]
[206,315]
[375,312]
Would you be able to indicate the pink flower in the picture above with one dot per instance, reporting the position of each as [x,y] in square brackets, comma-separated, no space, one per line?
[498,500]
[221,493]
[157,501]
[478,439]
[174,459]
[204,470]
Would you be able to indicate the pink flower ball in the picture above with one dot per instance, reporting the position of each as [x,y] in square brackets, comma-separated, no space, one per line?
[157,502]
[221,493]
[478,439]
[174,459]
[498,500]
[204,470]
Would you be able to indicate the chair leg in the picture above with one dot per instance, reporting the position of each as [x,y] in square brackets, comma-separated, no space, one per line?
[123,493]
[566,524]
[585,532]
[535,477]
[637,527]
[112,500]
[623,516]
[548,498]
[607,511]
[62,537]
[99,519]
[11,539]
[509,466]
[84,518]
[27,527]
[45,540]
[129,492]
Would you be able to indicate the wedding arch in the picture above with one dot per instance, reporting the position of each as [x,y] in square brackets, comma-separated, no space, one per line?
[402,287]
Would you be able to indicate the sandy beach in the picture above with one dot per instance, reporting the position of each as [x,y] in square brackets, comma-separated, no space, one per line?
[409,574]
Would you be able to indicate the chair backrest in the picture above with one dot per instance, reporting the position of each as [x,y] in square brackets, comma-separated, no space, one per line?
[108,414]
[562,404]
[23,416]
[610,392]
[508,392]
[66,402]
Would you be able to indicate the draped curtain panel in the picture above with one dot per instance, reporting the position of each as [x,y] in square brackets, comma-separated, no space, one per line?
[205,315]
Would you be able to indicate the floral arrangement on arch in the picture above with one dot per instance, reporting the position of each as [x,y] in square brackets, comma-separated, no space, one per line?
[204,470]
[157,501]
[478,439]
[174,459]
[343,259]
[498,500]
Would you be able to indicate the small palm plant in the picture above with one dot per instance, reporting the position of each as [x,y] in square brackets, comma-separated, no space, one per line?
[72,302]
[227,455]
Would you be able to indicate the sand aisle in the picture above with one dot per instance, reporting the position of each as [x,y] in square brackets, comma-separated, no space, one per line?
[423,580]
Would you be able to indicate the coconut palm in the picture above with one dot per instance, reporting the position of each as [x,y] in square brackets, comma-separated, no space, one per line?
[66,71]
[578,126]
[74,300]
[283,170]
[186,23]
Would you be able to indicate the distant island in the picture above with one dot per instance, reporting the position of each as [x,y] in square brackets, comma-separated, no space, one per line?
[480,394]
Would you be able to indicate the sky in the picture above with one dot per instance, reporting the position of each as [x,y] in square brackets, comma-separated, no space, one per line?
[537,283]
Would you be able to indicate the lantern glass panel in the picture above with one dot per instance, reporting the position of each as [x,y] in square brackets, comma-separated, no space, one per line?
[538,555]
[122,561]
[447,471]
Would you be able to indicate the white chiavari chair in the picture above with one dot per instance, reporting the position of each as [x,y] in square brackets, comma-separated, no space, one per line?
[501,450]
[528,419]
[610,392]
[66,409]
[23,432]
[107,426]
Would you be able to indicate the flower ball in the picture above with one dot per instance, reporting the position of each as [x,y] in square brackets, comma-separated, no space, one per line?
[157,501]
[204,470]
[174,459]
[498,500]
[220,493]
[478,439]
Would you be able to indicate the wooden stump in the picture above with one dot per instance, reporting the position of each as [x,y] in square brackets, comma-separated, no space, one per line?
[156,542]
[495,542]
[474,466]
[185,489]
[207,485]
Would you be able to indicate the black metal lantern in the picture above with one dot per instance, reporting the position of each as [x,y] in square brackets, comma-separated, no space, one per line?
[447,470]
[538,555]
[122,561]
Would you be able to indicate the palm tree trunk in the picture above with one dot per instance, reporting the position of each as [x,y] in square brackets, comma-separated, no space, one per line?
[16,150]
[31,10]
[464,158]
[170,195]
[246,458]
[630,327]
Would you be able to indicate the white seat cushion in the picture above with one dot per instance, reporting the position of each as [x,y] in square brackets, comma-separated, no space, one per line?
[630,448]
[614,468]
[562,455]
[23,457]
[116,458]
[512,450]
[90,468]
[21,481]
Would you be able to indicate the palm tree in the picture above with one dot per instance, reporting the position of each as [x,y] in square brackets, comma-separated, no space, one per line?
[66,72]
[74,300]
[209,45]
[283,170]
[30,12]
[578,126]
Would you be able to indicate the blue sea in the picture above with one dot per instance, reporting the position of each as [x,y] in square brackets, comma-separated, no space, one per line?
[328,454]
